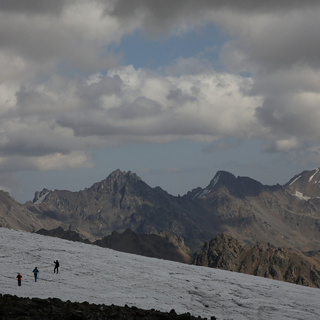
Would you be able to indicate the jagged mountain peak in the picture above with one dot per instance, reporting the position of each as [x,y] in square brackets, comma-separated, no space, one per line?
[305,185]
[222,177]
[237,186]
[306,176]
[117,180]
[118,174]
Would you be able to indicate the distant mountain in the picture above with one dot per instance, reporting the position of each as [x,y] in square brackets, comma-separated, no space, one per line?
[17,216]
[306,186]
[225,252]
[284,216]
[122,201]
[239,187]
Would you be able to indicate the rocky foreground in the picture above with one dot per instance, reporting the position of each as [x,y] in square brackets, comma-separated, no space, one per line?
[13,307]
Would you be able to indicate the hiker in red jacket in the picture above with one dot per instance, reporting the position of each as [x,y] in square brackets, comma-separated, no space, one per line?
[19,277]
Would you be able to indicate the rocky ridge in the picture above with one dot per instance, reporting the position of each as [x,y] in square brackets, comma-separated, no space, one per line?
[225,252]
[63,234]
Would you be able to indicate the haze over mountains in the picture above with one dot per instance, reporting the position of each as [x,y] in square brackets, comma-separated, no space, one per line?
[280,216]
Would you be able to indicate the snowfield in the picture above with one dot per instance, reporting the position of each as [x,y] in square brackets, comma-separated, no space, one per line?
[103,276]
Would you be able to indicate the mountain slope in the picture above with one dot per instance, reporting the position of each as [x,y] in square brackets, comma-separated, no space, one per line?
[103,276]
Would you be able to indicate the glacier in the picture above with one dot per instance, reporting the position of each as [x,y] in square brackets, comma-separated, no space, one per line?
[103,276]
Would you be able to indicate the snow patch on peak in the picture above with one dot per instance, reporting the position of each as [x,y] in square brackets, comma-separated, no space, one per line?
[216,179]
[310,179]
[293,181]
[299,195]
[42,198]
[205,191]
[201,194]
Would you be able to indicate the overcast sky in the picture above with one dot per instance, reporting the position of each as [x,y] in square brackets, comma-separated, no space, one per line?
[171,90]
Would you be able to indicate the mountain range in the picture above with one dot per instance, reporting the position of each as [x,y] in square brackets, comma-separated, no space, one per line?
[280,215]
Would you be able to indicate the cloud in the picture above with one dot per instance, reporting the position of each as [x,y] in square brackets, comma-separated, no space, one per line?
[72,40]
[147,105]
[269,42]
[276,42]
[32,6]
[167,16]
[64,92]
[59,118]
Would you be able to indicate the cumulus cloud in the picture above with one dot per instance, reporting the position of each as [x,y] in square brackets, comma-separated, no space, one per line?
[140,105]
[276,42]
[49,123]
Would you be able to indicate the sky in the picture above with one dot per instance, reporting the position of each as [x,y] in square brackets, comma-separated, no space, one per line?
[173,91]
[103,276]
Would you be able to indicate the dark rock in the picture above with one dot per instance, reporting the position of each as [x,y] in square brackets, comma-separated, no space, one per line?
[12,307]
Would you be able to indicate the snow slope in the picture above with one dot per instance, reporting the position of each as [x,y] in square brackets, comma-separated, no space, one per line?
[103,276]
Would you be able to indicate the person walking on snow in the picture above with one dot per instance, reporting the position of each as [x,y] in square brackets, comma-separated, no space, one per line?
[56,266]
[19,277]
[35,272]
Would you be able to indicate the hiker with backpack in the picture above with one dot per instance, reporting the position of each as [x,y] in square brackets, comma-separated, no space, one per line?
[35,272]
[56,266]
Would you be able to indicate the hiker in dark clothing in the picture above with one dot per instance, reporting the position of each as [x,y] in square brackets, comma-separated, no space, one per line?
[35,272]
[56,266]
[19,277]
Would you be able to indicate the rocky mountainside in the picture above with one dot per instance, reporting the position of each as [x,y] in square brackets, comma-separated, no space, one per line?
[225,252]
